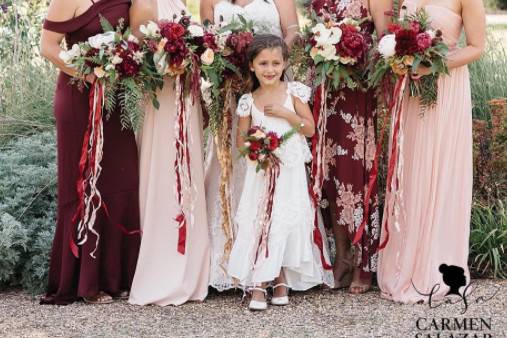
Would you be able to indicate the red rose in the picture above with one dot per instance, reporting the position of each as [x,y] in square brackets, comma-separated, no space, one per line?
[255,146]
[352,44]
[393,28]
[152,45]
[239,42]
[133,46]
[423,41]
[172,30]
[253,156]
[406,42]
[415,26]
[318,5]
[273,142]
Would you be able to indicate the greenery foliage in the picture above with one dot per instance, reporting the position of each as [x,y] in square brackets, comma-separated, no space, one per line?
[27,210]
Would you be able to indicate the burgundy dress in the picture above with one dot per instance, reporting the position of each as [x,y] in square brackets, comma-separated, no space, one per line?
[113,268]
[350,150]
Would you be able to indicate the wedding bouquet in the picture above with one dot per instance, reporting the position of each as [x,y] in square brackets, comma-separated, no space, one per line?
[223,61]
[175,49]
[410,43]
[337,42]
[118,62]
[260,146]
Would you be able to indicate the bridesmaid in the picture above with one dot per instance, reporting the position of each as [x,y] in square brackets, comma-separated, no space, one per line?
[434,225]
[96,280]
[350,149]
[164,276]
[276,17]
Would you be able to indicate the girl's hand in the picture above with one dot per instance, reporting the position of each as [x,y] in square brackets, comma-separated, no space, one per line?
[275,110]
[420,72]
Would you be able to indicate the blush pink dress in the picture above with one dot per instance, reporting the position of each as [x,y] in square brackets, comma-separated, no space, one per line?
[433,225]
[164,276]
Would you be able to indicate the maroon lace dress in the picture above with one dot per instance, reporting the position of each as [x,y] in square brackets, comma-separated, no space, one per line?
[113,268]
[349,154]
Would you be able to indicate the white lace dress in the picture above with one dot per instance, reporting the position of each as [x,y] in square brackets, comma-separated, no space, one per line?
[290,241]
[267,20]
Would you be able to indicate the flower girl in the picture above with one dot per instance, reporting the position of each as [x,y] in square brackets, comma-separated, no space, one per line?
[275,214]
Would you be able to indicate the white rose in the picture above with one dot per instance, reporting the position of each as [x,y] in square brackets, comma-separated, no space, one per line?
[259,134]
[116,59]
[222,38]
[196,31]
[321,33]
[69,55]
[208,57]
[132,38]
[150,30]
[335,37]
[387,45]
[99,72]
[99,40]
[109,67]
[328,52]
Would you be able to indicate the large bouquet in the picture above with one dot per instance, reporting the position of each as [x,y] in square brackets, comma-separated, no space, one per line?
[410,43]
[223,61]
[118,62]
[175,48]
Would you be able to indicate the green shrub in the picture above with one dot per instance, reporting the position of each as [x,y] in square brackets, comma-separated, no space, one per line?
[488,76]
[27,81]
[488,240]
[27,209]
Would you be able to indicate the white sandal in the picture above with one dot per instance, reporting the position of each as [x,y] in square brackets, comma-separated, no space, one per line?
[257,305]
[280,301]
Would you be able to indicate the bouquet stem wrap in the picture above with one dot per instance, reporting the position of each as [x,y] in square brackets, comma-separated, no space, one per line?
[224,154]
[183,187]
[318,149]
[395,163]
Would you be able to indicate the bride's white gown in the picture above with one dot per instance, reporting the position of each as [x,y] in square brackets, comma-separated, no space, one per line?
[266,18]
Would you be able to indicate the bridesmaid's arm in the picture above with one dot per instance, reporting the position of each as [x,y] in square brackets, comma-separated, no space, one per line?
[50,44]
[206,11]
[378,9]
[141,12]
[474,22]
[288,20]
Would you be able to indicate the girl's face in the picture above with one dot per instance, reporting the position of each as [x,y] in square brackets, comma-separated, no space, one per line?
[268,66]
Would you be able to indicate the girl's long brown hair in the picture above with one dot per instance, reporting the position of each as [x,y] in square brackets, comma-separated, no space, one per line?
[259,43]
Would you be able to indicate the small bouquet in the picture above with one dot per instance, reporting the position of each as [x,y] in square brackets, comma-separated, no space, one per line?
[410,43]
[175,48]
[260,146]
[118,61]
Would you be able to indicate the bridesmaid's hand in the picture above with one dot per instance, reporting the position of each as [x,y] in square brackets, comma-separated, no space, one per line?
[420,72]
[90,78]
[275,110]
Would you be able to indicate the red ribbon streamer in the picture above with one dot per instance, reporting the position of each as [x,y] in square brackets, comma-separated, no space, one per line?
[317,177]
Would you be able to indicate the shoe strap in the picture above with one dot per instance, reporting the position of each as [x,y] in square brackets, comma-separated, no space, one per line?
[281,284]
[258,289]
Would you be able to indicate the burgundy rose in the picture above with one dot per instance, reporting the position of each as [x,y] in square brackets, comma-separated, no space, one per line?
[128,67]
[133,46]
[209,41]
[172,30]
[239,42]
[152,45]
[406,42]
[415,26]
[91,53]
[253,156]
[318,5]
[273,141]
[423,41]
[352,43]
[255,146]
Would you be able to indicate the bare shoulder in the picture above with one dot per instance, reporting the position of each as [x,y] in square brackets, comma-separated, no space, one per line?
[62,10]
